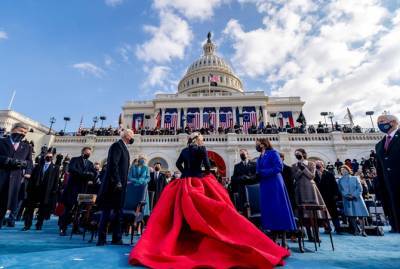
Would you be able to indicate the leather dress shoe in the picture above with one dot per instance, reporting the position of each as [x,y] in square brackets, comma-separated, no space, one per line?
[101,243]
[26,229]
[117,242]
[63,232]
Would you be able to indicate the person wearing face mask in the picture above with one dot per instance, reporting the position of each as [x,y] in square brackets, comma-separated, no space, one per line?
[80,171]
[111,196]
[306,191]
[244,173]
[326,183]
[139,174]
[15,164]
[41,190]
[387,153]
[157,183]
[196,225]
[353,202]
[276,210]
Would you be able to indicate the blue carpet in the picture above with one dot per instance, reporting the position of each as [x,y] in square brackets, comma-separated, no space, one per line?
[45,249]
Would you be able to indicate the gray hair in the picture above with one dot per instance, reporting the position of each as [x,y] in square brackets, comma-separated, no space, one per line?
[126,132]
[19,125]
[390,117]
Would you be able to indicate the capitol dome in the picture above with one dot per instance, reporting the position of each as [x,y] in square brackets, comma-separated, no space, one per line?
[197,77]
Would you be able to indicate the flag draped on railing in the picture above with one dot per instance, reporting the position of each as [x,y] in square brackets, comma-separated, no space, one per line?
[209,117]
[171,118]
[249,117]
[286,117]
[225,117]
[260,118]
[137,121]
[193,118]
[158,119]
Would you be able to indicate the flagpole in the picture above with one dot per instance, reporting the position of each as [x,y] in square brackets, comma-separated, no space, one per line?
[12,100]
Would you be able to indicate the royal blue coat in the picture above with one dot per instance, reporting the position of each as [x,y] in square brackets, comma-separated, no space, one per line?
[276,211]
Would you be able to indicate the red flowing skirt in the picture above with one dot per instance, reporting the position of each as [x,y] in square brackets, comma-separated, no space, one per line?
[195,225]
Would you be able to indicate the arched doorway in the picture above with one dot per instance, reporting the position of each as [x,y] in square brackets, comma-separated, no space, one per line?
[164,163]
[217,161]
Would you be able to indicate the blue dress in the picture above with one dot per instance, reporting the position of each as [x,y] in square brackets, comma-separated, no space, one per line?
[140,176]
[276,211]
[351,185]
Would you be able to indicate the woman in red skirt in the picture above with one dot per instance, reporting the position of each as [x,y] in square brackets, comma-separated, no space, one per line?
[195,224]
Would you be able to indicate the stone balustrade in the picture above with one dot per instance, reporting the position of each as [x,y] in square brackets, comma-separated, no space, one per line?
[325,146]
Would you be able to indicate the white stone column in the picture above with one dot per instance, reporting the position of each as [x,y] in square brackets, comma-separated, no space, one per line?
[241,118]
[178,123]
[216,127]
[201,116]
[265,115]
[234,115]
[185,115]
[162,117]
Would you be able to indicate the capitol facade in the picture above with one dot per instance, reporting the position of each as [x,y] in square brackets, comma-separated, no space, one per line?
[210,95]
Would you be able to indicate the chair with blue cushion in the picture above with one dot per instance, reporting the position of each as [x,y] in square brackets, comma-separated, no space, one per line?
[253,203]
[134,203]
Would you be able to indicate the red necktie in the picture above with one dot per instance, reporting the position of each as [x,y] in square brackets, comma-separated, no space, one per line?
[387,142]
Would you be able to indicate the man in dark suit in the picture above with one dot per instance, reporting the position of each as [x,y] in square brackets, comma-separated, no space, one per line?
[289,180]
[81,171]
[41,191]
[244,173]
[388,169]
[157,182]
[15,163]
[329,190]
[112,190]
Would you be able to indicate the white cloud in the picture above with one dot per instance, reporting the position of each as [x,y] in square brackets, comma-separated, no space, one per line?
[113,3]
[200,10]
[345,54]
[3,35]
[108,60]
[125,51]
[168,41]
[157,75]
[89,68]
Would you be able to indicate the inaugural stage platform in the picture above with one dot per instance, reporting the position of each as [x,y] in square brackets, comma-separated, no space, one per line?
[46,249]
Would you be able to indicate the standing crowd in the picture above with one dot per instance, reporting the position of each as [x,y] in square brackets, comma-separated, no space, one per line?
[52,183]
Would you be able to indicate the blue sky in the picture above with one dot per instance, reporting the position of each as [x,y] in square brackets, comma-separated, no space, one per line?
[87,57]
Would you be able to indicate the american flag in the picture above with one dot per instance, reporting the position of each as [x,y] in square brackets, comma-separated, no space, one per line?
[209,118]
[214,80]
[249,119]
[137,122]
[286,117]
[170,120]
[226,119]
[193,120]
[158,119]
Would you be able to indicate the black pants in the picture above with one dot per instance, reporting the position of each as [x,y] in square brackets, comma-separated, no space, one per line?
[43,213]
[3,199]
[115,217]
[66,218]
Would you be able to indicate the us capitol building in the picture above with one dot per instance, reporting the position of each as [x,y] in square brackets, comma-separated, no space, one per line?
[209,94]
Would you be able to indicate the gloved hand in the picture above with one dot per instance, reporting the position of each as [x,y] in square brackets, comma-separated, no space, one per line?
[301,166]
[17,164]
[118,187]
[88,174]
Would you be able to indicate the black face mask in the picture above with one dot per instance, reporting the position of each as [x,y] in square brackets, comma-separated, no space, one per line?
[157,168]
[259,148]
[243,157]
[86,156]
[48,159]
[318,167]
[17,137]
[130,142]
[299,156]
